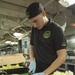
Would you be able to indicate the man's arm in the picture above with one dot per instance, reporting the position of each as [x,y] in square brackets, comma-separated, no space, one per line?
[31,52]
[57,63]
[32,65]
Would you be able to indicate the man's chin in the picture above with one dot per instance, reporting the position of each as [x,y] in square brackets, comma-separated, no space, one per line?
[39,28]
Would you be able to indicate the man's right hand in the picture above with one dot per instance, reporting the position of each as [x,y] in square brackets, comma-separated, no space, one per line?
[32,66]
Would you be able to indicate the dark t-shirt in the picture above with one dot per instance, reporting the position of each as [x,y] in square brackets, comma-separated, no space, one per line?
[46,42]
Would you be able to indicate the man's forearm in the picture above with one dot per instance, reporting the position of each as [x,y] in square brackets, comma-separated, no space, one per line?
[56,64]
[31,53]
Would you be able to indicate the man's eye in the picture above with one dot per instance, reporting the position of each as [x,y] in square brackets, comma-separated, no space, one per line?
[35,21]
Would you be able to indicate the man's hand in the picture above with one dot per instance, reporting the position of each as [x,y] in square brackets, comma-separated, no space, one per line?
[40,73]
[32,66]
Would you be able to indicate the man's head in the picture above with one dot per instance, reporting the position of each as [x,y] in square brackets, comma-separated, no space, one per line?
[36,14]
[34,9]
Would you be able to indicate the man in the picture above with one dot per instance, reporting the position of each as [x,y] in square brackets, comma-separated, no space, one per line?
[47,44]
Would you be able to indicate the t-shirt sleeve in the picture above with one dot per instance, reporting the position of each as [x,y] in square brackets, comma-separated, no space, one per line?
[59,39]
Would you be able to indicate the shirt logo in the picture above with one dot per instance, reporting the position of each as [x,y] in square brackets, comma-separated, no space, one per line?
[47,34]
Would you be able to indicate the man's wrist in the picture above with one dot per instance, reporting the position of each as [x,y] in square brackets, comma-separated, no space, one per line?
[32,59]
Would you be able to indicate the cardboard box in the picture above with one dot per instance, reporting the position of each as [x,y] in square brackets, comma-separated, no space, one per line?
[11,59]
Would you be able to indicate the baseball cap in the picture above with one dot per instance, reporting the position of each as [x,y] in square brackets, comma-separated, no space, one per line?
[34,9]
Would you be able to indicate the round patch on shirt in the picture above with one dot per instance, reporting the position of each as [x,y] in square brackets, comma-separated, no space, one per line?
[47,34]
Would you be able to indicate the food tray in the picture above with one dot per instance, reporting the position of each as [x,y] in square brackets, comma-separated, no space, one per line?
[16,71]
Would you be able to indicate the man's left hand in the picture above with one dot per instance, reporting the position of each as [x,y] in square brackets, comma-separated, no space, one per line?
[40,73]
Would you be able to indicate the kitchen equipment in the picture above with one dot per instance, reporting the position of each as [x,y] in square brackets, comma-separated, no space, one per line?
[11,60]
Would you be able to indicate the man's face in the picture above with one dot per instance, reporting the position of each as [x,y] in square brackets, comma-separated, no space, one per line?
[37,21]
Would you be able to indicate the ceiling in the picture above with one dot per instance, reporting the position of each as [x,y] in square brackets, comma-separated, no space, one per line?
[13,17]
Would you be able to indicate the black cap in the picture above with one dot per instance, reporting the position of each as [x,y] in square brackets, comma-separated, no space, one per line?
[34,9]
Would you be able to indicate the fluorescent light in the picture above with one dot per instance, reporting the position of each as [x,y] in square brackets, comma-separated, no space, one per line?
[18,34]
[7,42]
[12,43]
[71,2]
[67,3]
